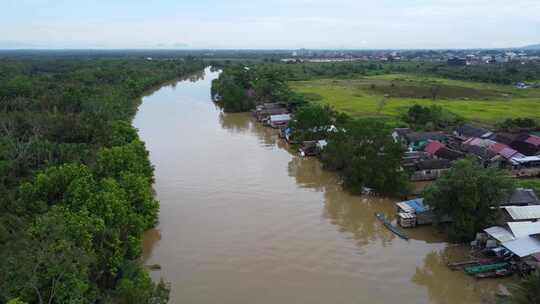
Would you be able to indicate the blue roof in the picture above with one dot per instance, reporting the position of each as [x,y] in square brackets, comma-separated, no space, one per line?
[288,131]
[417,205]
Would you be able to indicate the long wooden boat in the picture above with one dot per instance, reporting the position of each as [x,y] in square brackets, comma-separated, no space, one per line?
[391,227]
[500,273]
[485,268]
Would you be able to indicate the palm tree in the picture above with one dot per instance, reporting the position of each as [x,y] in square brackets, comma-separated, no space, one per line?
[528,291]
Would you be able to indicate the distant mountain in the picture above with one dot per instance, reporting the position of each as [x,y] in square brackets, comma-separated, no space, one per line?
[532,47]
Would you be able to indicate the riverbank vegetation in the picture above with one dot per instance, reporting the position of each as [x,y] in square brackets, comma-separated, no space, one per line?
[240,88]
[469,194]
[367,157]
[528,290]
[359,149]
[76,180]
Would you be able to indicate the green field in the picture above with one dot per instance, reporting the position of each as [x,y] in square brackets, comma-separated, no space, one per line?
[392,94]
[533,183]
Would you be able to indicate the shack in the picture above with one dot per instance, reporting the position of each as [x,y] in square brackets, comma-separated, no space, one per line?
[430,169]
[276,121]
[525,166]
[414,212]
[467,131]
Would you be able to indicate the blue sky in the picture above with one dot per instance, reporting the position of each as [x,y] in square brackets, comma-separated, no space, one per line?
[269,24]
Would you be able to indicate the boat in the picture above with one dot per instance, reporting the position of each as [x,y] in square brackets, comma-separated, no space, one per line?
[391,227]
[499,273]
[485,268]
[462,264]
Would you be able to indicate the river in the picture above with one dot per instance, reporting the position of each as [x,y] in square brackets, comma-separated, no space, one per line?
[245,220]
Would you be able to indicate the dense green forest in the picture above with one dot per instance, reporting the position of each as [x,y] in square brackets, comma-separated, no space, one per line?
[501,73]
[76,181]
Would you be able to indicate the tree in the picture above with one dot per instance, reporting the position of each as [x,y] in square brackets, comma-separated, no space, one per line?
[528,290]
[51,261]
[136,286]
[312,122]
[365,154]
[419,116]
[55,185]
[114,161]
[470,195]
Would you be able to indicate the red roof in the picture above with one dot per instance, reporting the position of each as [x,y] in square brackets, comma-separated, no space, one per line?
[536,256]
[433,147]
[498,147]
[508,153]
[533,139]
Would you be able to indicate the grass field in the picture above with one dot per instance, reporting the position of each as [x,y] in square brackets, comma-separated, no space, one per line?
[391,95]
[533,183]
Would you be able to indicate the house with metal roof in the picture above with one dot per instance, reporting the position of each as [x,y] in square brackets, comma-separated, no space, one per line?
[276,121]
[524,246]
[522,197]
[521,213]
[430,169]
[417,140]
[524,166]
[523,229]
[449,154]
[466,131]
[433,146]
[499,234]
[415,212]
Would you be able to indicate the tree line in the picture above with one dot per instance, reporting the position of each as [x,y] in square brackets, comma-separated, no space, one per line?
[76,180]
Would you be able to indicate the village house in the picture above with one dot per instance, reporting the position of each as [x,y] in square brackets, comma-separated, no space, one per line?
[409,159]
[263,111]
[519,214]
[415,141]
[449,154]
[526,144]
[430,169]
[525,166]
[276,121]
[414,212]
[439,150]
[522,197]
[467,131]
[312,148]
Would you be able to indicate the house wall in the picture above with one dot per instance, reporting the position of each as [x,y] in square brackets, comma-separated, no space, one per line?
[427,175]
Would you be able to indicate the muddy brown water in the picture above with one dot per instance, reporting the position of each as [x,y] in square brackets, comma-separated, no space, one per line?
[245,220]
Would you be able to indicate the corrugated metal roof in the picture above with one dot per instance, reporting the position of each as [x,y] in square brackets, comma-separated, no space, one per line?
[413,206]
[498,147]
[406,215]
[523,229]
[527,159]
[523,247]
[524,212]
[433,147]
[535,140]
[280,117]
[499,233]
[507,153]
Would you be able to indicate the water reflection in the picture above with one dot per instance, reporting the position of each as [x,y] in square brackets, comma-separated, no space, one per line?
[150,240]
[234,122]
[448,286]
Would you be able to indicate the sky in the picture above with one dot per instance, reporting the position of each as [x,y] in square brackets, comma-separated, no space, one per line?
[269,24]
